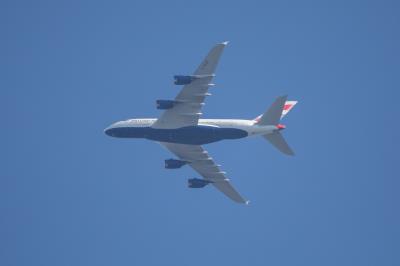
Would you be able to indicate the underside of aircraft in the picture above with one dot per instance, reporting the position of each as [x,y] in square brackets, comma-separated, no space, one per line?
[182,132]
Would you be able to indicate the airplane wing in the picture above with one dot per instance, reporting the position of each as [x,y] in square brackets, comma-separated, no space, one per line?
[191,98]
[202,163]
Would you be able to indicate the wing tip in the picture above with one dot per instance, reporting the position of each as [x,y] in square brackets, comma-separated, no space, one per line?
[289,152]
[225,43]
[247,202]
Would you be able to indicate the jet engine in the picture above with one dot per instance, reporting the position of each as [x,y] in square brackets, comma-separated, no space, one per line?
[198,183]
[174,164]
[165,104]
[183,80]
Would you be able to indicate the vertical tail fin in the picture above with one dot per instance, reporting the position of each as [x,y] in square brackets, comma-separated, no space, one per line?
[286,109]
[288,106]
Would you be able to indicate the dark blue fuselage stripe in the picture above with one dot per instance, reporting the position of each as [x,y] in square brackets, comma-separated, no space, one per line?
[195,135]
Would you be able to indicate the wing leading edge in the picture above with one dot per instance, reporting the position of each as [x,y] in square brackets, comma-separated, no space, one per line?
[190,99]
[202,163]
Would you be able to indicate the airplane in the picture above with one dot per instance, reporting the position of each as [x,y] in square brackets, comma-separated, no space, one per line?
[181,131]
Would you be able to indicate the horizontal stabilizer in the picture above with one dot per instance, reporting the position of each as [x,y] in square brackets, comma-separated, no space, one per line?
[277,140]
[273,115]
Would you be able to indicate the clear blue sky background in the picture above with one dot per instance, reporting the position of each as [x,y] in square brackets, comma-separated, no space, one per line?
[70,195]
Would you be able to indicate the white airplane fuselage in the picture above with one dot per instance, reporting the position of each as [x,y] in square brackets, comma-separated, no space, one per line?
[207,130]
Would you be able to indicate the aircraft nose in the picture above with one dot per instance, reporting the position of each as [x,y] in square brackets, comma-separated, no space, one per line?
[109,131]
[112,130]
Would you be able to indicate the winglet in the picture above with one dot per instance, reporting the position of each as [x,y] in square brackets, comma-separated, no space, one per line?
[225,43]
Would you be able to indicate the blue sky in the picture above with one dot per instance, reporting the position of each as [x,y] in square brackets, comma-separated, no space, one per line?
[70,195]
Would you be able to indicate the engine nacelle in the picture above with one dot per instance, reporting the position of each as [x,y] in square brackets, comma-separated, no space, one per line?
[165,104]
[198,183]
[174,164]
[183,80]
